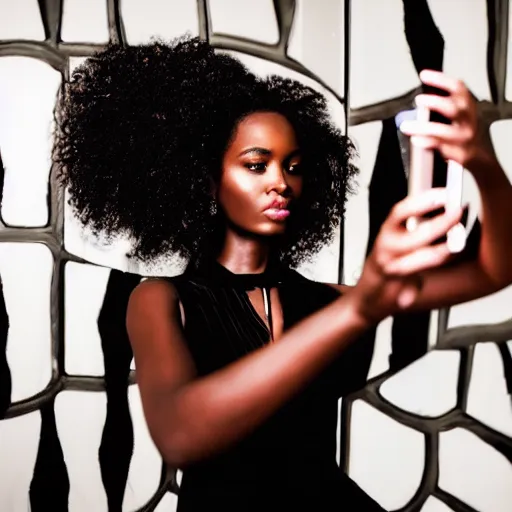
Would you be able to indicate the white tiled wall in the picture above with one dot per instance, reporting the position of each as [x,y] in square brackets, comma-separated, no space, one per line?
[387,458]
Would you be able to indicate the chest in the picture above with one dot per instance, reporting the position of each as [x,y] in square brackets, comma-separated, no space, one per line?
[222,324]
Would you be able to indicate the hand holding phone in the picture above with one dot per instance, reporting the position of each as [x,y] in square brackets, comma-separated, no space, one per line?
[420,177]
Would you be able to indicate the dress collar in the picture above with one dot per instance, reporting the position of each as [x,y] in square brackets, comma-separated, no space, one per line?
[213,272]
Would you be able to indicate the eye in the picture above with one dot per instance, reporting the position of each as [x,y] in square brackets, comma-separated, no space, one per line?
[256,166]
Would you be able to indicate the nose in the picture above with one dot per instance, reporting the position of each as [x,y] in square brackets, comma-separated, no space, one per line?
[277,180]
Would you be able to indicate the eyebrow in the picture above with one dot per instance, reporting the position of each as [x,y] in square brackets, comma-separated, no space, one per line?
[259,151]
[266,152]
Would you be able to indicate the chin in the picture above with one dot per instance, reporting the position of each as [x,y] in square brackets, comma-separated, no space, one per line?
[271,231]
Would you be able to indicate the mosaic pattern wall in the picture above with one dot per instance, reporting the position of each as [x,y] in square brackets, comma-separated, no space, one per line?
[431,430]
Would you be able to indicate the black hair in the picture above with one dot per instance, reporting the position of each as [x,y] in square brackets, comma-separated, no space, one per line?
[140,134]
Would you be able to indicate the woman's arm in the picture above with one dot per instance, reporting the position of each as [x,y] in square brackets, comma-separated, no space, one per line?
[192,417]
[463,142]
[491,269]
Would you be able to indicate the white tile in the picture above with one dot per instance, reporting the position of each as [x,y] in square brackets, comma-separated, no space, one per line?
[435,505]
[85,22]
[80,418]
[168,503]
[381,67]
[474,472]
[19,442]
[250,19]
[21,20]
[508,87]
[488,399]
[85,287]
[146,463]
[150,19]
[28,89]
[491,309]
[26,272]
[465,34]
[386,458]
[427,387]
[317,40]
[366,138]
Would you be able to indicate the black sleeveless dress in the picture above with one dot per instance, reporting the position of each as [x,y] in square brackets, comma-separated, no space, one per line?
[289,462]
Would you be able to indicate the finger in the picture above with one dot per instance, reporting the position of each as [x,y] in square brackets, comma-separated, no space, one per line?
[446,132]
[417,205]
[427,232]
[418,261]
[444,105]
[456,152]
[442,81]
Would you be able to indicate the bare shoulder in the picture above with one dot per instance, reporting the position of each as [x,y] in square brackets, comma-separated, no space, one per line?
[153,289]
[154,296]
[155,329]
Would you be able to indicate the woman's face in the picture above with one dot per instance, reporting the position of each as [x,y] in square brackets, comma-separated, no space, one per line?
[261,175]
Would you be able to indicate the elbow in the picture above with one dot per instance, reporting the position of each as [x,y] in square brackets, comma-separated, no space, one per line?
[173,454]
[497,281]
[178,447]
[178,430]
[490,278]
[500,277]
[171,427]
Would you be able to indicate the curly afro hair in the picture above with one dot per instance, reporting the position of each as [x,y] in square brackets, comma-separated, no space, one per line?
[140,135]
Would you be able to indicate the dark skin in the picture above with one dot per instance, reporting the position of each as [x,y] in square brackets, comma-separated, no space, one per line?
[261,165]
[191,418]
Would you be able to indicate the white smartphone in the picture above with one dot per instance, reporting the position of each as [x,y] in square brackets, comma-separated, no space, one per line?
[421,167]
[420,179]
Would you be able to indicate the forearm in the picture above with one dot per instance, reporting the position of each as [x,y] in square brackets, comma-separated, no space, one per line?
[495,249]
[210,413]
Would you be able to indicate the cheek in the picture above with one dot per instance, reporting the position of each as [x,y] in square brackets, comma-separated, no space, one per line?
[237,188]
[296,184]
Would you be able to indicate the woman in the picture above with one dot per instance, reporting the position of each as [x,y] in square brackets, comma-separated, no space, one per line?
[240,360]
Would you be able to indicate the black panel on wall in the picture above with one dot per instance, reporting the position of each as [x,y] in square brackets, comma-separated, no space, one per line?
[50,484]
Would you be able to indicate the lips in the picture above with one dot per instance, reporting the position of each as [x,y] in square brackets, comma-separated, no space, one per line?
[277,210]
[278,204]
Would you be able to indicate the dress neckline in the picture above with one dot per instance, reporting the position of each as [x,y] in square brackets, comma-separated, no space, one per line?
[216,273]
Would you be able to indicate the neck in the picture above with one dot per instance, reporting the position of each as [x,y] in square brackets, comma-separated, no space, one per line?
[243,254]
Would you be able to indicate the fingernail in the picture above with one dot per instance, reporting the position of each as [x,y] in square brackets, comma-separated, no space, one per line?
[411,224]
[419,100]
[406,126]
[456,238]
[423,73]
